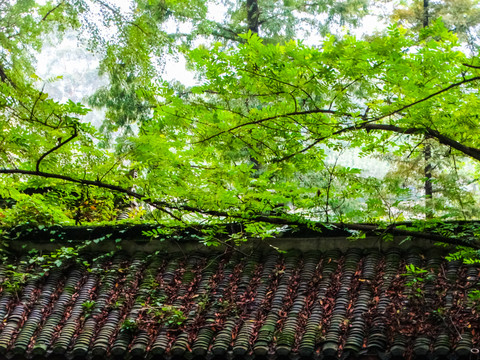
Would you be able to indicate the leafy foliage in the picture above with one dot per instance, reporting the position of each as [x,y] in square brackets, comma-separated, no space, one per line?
[167,314]
[129,325]
[88,307]
[414,275]
[261,139]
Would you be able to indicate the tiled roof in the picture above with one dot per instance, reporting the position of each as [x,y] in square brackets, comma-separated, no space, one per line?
[313,304]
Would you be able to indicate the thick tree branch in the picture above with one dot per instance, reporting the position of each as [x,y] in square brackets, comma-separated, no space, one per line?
[369,125]
[74,135]
[164,206]
[73,180]
[319,140]
[471,66]
[442,139]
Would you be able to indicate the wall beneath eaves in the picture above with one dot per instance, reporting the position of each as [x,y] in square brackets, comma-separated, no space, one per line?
[304,244]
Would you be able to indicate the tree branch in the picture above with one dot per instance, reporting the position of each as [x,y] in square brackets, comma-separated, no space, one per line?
[256,122]
[119,15]
[319,140]
[454,85]
[36,102]
[74,135]
[329,111]
[4,77]
[297,87]
[52,10]
[368,125]
[163,206]
[471,66]
[442,139]
[73,180]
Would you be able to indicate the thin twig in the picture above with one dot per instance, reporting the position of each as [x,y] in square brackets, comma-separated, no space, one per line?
[256,122]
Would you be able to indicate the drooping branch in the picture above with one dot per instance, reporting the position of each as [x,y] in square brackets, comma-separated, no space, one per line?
[323,138]
[72,180]
[369,126]
[471,66]
[277,220]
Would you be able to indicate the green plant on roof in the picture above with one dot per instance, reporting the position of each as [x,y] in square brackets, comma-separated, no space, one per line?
[88,307]
[438,314]
[61,257]
[117,304]
[14,282]
[152,234]
[474,298]
[415,279]
[227,306]
[468,255]
[203,301]
[151,283]
[238,238]
[129,325]
[167,314]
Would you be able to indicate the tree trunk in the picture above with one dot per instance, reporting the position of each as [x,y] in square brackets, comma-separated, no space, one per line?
[252,15]
[428,149]
[252,21]
[428,180]
[425,13]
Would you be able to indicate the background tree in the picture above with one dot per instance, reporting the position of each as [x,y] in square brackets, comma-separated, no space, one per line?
[459,17]
[133,59]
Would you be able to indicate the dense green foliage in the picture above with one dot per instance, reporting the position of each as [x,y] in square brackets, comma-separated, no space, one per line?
[262,138]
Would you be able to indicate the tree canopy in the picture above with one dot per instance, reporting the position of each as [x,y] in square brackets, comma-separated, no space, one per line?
[263,137]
